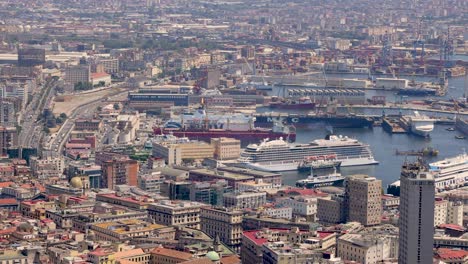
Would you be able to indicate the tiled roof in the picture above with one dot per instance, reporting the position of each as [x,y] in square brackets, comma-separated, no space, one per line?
[6,184]
[129,253]
[7,201]
[198,261]
[230,260]
[451,254]
[99,75]
[171,253]
[452,226]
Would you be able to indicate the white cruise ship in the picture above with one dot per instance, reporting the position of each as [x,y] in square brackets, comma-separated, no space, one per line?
[279,155]
[450,173]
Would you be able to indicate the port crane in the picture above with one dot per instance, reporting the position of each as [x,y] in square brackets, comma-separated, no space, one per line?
[419,43]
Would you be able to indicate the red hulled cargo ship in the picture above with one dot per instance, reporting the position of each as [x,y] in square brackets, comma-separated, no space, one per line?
[256,134]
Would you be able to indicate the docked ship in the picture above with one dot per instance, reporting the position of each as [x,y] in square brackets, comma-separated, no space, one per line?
[313,181]
[319,162]
[279,155]
[450,173]
[417,124]
[462,125]
[337,121]
[299,104]
[203,126]
[407,87]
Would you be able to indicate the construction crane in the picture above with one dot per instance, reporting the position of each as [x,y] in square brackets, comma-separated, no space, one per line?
[387,50]
[419,43]
[446,50]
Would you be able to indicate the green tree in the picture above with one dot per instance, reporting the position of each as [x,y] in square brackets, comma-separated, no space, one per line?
[116,106]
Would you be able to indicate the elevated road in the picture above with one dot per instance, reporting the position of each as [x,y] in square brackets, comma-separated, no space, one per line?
[31,128]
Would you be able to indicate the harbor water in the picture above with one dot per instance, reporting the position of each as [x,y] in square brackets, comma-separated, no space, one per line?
[384,146]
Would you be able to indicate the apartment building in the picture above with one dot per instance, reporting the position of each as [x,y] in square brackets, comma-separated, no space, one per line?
[244,200]
[223,223]
[119,171]
[226,148]
[363,199]
[176,213]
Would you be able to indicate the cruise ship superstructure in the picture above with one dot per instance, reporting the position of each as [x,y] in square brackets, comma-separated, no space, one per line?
[279,155]
[450,173]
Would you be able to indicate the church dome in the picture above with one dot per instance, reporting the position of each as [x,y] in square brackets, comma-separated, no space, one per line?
[213,256]
[76,183]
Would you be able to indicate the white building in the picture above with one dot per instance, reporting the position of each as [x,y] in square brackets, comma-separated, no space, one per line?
[302,206]
[279,212]
[244,200]
[49,167]
[440,212]
[455,213]
[257,185]
[417,193]
[126,126]
[368,248]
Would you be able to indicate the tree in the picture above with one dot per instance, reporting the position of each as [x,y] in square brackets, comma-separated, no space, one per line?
[63,116]
[99,108]
[83,86]
[116,106]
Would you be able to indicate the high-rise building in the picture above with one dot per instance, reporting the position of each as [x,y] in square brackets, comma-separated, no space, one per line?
[416,222]
[223,223]
[29,57]
[7,113]
[8,138]
[362,199]
[119,171]
[78,74]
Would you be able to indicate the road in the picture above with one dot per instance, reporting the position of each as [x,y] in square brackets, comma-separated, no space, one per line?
[55,146]
[31,128]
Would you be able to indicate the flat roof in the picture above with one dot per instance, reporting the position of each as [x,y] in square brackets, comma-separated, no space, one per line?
[222,174]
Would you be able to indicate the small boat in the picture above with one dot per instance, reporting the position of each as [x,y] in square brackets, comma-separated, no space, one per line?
[460,137]
[450,129]
[319,162]
[314,181]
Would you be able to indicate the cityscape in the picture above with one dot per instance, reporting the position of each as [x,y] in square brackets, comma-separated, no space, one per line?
[233,132]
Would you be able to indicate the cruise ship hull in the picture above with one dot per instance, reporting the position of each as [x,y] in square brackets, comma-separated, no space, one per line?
[292,165]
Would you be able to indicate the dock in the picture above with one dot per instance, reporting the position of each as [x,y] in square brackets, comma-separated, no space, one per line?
[430,152]
[392,125]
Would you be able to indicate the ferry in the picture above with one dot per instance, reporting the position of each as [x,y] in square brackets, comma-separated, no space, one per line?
[319,162]
[334,179]
[450,173]
[279,155]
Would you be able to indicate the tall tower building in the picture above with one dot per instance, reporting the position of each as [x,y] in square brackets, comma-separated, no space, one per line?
[417,193]
[363,199]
